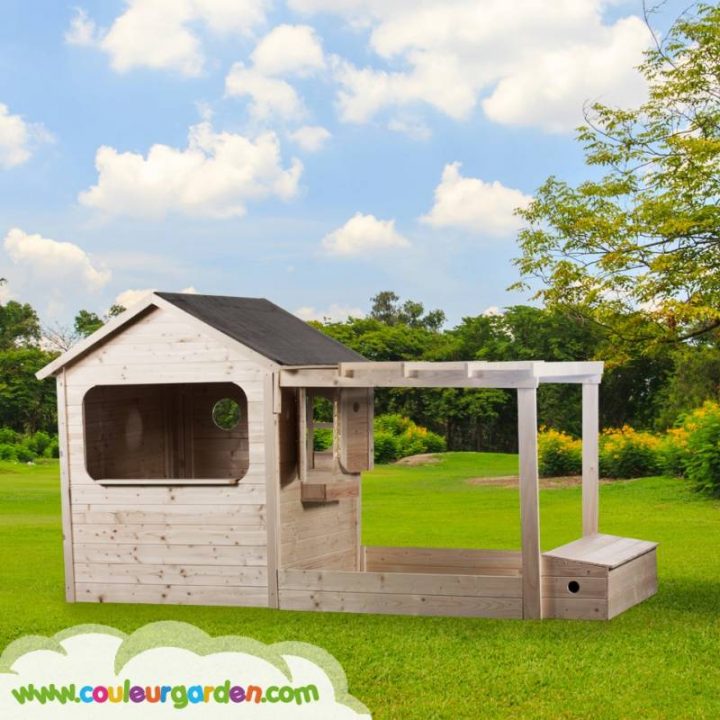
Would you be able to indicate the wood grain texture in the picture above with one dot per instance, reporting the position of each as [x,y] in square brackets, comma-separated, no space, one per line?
[529,503]
[171,574]
[590,458]
[172,594]
[608,551]
[400,604]
[443,560]
[65,489]
[214,537]
[401,583]
[272,475]
[632,583]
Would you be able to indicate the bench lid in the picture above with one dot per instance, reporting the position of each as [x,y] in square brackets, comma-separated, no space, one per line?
[608,551]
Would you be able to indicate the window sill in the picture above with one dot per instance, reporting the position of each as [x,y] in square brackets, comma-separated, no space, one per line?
[169,482]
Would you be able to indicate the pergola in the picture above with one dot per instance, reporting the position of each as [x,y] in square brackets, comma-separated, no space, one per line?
[525,377]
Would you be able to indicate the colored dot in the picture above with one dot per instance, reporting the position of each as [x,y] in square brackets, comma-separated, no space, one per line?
[263,700]
[77,699]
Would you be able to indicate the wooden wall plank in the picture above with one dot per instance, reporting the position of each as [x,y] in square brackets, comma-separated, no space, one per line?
[247,516]
[632,583]
[169,534]
[588,587]
[170,574]
[400,583]
[172,594]
[453,560]
[243,494]
[397,604]
[576,608]
[560,567]
[206,555]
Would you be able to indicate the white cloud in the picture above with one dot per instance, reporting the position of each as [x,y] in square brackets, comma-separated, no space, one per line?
[492,311]
[215,176]
[285,50]
[52,263]
[128,298]
[364,234]
[269,96]
[18,138]
[475,205]
[289,50]
[449,53]
[335,313]
[550,91]
[413,128]
[164,34]
[310,138]
[82,30]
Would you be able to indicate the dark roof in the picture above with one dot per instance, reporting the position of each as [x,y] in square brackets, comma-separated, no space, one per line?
[265,328]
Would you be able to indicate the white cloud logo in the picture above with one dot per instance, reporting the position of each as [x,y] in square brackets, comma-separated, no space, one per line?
[167,668]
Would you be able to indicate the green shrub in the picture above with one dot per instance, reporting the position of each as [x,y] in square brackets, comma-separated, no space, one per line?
[53,449]
[558,454]
[16,447]
[386,447]
[24,453]
[392,423]
[322,439]
[673,452]
[38,442]
[628,453]
[397,436]
[8,436]
[702,460]
[7,452]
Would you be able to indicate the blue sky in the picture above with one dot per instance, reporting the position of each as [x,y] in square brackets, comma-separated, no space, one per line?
[313,152]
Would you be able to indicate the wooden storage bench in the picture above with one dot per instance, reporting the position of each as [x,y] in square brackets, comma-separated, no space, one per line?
[598,577]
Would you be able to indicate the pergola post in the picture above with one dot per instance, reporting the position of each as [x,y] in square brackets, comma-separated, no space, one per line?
[590,458]
[529,503]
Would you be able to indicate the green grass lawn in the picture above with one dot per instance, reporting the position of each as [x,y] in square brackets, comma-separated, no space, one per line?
[658,660]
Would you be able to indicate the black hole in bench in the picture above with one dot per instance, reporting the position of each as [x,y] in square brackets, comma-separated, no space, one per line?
[573,586]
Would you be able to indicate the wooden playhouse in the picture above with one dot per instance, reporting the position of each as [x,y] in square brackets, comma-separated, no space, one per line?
[189,475]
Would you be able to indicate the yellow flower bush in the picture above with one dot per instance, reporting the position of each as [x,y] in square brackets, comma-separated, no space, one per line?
[697,447]
[629,453]
[558,453]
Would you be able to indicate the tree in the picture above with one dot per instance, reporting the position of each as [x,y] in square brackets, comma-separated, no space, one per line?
[86,323]
[386,308]
[638,249]
[19,325]
[26,404]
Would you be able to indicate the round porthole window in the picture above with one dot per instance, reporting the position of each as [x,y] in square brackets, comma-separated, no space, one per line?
[226,414]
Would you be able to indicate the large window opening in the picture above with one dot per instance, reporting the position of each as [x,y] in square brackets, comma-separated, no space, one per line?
[174,432]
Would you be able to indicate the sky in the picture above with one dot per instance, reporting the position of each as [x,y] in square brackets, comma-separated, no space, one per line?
[313,152]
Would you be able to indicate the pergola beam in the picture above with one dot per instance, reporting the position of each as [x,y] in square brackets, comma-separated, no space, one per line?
[470,374]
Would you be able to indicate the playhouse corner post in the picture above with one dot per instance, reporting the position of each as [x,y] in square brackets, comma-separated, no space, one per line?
[65,500]
[529,504]
[272,407]
[590,458]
